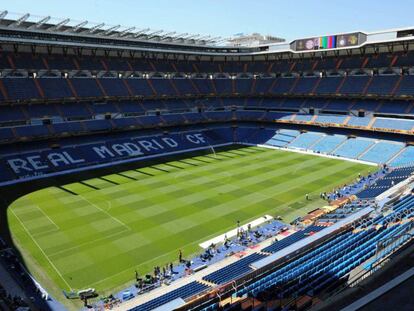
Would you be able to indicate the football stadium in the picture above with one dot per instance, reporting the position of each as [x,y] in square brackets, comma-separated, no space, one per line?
[144,169]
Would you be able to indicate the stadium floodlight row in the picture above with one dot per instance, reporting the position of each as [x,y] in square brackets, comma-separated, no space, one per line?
[90,111]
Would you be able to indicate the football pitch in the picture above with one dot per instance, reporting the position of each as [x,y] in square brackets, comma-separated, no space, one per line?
[97,232]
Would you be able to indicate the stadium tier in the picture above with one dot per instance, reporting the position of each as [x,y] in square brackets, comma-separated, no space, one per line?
[26,88]
[281,171]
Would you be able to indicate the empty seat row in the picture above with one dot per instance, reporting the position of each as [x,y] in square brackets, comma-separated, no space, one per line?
[56,88]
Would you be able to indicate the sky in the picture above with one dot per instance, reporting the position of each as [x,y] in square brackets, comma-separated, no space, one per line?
[289,19]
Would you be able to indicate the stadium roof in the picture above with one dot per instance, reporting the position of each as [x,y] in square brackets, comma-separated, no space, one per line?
[35,31]
[103,30]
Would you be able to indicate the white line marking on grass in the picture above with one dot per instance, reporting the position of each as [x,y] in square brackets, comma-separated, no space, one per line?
[88,242]
[109,205]
[45,232]
[43,252]
[57,227]
[105,212]
[154,258]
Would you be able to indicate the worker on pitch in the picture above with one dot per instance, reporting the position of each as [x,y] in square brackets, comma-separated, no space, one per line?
[180,256]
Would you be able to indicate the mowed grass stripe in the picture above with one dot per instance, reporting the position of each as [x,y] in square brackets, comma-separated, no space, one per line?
[181,232]
[228,164]
[183,210]
[190,203]
[172,215]
[196,191]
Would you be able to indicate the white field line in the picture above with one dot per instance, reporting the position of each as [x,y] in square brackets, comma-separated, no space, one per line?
[57,227]
[88,242]
[43,252]
[105,212]
[140,264]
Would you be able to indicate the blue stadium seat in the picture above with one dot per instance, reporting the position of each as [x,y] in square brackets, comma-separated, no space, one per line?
[328,85]
[354,147]
[68,127]
[382,85]
[328,143]
[233,270]
[21,88]
[394,107]
[354,85]
[282,137]
[55,88]
[406,157]
[12,114]
[223,86]
[204,86]
[332,119]
[184,86]
[27,61]
[395,124]
[42,110]
[32,131]
[182,292]
[293,238]
[139,87]
[305,85]
[306,140]
[406,86]
[6,134]
[359,121]
[262,86]
[382,152]
[97,125]
[74,110]
[114,86]
[163,87]
[282,85]
[243,86]
[86,87]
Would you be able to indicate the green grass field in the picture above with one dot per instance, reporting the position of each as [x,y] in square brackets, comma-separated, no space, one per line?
[97,232]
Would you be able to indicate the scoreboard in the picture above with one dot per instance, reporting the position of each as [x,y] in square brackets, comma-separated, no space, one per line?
[329,42]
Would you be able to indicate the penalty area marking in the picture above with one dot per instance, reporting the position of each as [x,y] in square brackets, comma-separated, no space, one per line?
[43,252]
[106,212]
[57,227]
[233,233]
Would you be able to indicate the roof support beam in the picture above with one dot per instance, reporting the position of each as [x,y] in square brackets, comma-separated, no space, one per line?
[40,23]
[83,27]
[125,31]
[59,25]
[20,20]
[204,37]
[215,39]
[78,26]
[179,36]
[141,32]
[3,14]
[109,30]
[221,40]
[193,37]
[168,34]
[154,33]
[94,28]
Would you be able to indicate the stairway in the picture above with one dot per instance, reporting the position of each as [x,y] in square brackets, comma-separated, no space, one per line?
[371,123]
[366,150]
